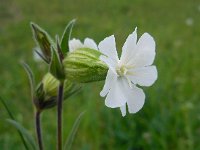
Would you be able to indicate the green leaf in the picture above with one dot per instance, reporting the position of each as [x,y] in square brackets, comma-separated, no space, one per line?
[30,77]
[43,39]
[24,132]
[12,117]
[72,134]
[7,109]
[66,37]
[56,67]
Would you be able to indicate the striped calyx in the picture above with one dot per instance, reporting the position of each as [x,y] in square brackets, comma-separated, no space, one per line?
[83,65]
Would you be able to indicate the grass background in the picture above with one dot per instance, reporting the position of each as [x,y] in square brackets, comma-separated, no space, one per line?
[170,118]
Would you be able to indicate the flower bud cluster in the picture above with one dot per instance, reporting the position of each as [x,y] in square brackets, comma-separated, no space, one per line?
[69,66]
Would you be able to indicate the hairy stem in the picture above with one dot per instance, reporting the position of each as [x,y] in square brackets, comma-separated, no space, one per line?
[59,115]
[38,130]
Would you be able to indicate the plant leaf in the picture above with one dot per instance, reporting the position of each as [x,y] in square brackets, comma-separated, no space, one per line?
[71,136]
[12,117]
[24,132]
[30,77]
[66,37]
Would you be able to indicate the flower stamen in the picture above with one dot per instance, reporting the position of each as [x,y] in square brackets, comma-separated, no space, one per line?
[121,70]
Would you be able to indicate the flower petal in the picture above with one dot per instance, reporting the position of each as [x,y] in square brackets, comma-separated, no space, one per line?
[110,62]
[36,57]
[145,51]
[110,78]
[135,99]
[129,47]
[75,44]
[108,47]
[144,76]
[123,110]
[116,96]
[90,43]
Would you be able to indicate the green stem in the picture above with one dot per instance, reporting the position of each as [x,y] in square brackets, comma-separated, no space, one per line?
[59,115]
[38,130]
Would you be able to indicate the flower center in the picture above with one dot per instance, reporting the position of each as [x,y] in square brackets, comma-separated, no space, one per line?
[121,70]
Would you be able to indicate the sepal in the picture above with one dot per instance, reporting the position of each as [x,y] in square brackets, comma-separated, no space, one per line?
[66,37]
[56,67]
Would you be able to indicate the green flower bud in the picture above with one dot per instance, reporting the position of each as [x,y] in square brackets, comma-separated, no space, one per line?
[83,65]
[50,85]
[44,41]
[46,92]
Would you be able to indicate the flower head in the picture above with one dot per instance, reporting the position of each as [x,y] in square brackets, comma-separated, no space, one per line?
[76,44]
[133,67]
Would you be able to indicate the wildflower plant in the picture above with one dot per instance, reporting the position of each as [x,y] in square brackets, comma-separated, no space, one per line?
[72,64]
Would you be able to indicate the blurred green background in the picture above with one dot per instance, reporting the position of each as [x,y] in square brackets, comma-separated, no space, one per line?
[170,118]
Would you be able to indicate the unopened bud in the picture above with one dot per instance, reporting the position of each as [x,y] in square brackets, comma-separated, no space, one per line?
[46,93]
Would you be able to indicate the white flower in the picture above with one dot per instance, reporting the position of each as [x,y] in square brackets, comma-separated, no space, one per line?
[134,67]
[88,43]
[189,21]
[36,57]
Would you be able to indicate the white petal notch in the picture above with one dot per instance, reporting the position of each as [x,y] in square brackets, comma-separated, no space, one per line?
[76,44]
[133,68]
[36,57]
[108,47]
[90,43]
